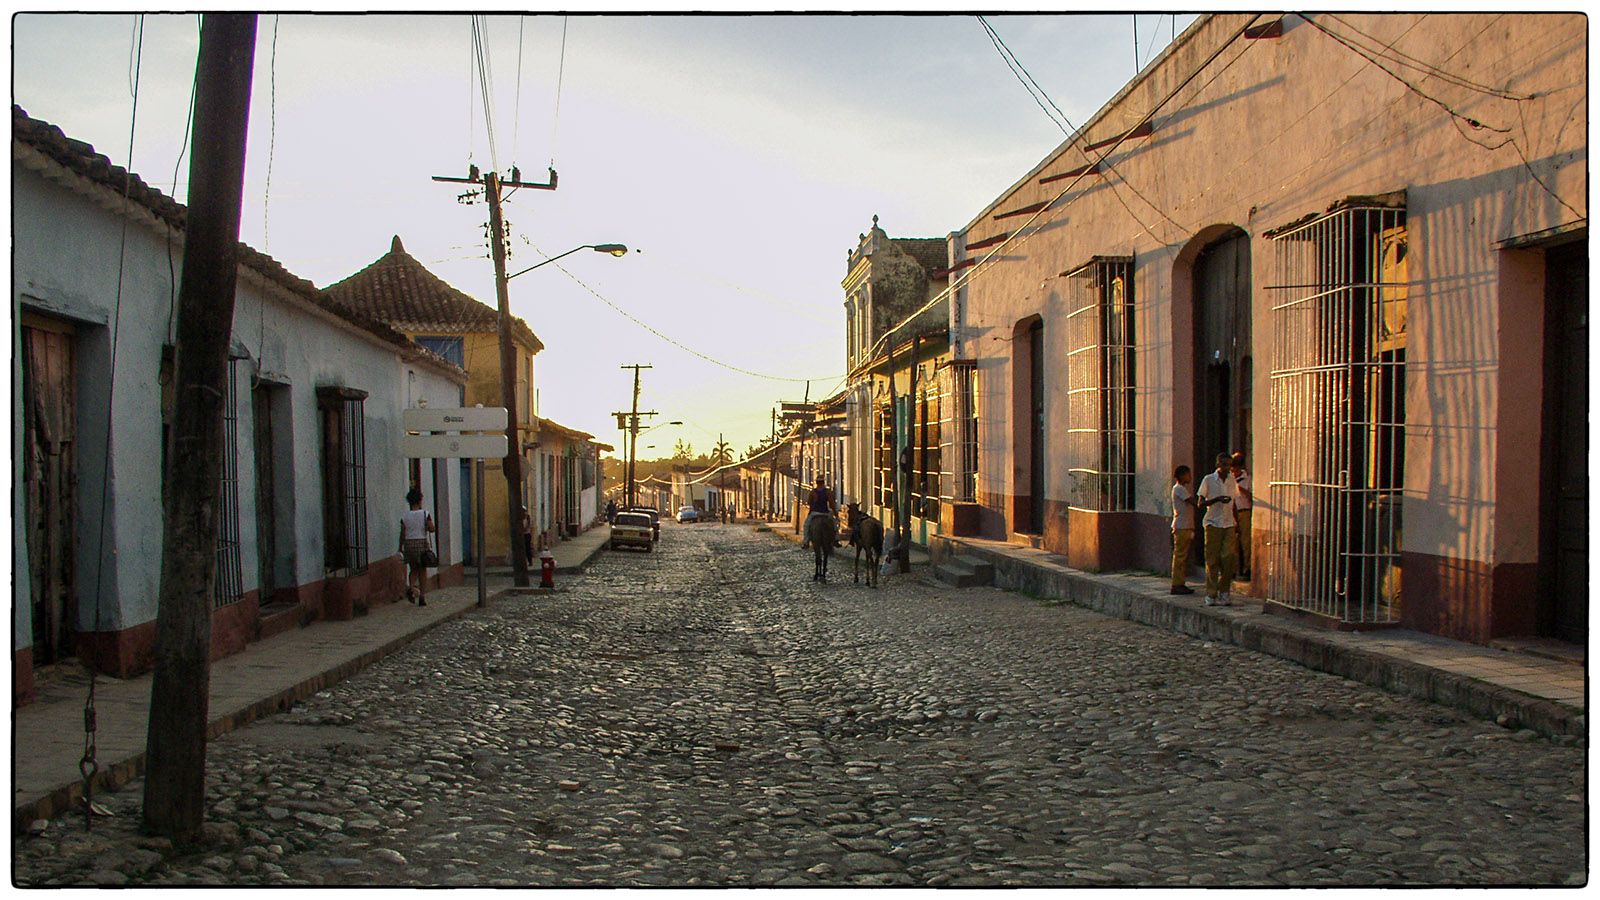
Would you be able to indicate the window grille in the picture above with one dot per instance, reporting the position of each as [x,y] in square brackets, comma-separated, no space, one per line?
[453,349]
[883,454]
[228,585]
[344,478]
[1100,384]
[926,466]
[1338,412]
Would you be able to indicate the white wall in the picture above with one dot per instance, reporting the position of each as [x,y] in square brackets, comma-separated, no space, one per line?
[66,263]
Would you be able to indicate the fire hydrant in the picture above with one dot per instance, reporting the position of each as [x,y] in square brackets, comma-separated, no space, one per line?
[547,569]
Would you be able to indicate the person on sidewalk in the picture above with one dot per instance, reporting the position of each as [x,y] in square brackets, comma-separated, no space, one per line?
[611,510]
[1182,528]
[1217,495]
[1241,513]
[415,526]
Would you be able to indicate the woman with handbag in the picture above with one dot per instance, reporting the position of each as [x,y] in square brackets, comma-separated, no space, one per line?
[415,525]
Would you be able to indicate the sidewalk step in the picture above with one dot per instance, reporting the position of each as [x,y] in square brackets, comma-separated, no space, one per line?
[978,565]
[954,573]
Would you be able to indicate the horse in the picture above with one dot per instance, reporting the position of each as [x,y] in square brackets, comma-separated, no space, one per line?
[820,533]
[866,534]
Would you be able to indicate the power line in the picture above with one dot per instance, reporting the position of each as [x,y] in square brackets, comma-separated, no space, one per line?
[516,115]
[561,71]
[681,346]
[272,141]
[1400,57]
[188,125]
[1021,232]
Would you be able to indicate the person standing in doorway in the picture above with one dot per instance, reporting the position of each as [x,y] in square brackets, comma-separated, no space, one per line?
[611,510]
[1182,528]
[1241,513]
[415,526]
[1217,495]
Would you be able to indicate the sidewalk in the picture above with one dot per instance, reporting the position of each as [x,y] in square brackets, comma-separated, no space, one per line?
[1521,689]
[266,677]
[572,555]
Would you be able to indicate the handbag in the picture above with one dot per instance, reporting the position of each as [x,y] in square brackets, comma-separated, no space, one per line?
[429,559]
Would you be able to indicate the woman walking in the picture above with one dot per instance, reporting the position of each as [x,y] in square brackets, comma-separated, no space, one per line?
[415,526]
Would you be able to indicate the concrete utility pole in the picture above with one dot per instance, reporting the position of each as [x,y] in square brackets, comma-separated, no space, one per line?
[512,465]
[633,427]
[175,744]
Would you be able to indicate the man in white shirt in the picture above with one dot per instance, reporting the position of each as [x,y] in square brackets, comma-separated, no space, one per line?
[1241,513]
[1217,495]
[1182,528]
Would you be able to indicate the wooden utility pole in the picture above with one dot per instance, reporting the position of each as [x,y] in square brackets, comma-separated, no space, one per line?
[633,427]
[512,464]
[175,744]
[772,480]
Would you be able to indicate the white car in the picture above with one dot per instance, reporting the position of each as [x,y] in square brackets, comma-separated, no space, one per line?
[631,529]
[688,514]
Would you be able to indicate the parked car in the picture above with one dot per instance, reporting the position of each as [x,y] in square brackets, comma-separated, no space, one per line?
[632,529]
[655,519]
[688,514]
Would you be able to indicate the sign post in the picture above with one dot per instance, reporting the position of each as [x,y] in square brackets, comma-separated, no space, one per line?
[442,444]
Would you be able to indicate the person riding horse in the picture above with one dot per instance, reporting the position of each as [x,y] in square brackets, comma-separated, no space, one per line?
[822,528]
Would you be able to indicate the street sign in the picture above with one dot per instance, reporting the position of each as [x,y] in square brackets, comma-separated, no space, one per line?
[453,446]
[471,418]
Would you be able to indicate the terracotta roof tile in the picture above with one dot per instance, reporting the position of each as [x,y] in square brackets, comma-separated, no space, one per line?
[399,290]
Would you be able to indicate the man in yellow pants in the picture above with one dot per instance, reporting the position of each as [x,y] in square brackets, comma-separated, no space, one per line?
[1182,528]
[1217,495]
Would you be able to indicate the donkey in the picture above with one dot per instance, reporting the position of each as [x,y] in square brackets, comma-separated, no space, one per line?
[866,533]
[820,533]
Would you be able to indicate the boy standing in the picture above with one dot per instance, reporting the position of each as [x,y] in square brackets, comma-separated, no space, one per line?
[1217,495]
[1241,513]
[1182,528]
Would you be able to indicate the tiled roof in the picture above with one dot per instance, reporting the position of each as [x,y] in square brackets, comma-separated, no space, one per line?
[81,158]
[932,253]
[402,292]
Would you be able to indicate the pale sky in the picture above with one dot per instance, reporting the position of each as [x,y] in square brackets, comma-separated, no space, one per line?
[742,155]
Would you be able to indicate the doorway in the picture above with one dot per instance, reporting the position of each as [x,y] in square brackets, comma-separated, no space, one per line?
[1222,355]
[1028,432]
[50,477]
[1564,547]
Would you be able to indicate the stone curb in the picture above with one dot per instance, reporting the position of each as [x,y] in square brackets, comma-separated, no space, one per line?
[1102,594]
[115,775]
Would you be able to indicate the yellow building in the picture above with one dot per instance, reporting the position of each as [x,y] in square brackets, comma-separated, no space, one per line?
[400,292]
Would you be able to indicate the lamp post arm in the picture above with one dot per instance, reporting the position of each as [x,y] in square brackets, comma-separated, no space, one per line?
[550,260]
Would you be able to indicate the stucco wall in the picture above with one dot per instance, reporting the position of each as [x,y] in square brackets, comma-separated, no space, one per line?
[65,256]
[1273,130]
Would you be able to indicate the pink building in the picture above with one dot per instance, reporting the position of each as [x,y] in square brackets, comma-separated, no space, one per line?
[1353,247]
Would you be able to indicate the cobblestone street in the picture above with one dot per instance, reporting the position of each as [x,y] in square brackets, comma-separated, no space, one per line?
[705,715]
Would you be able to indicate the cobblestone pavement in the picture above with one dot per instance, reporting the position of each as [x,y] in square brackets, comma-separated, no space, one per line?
[705,715]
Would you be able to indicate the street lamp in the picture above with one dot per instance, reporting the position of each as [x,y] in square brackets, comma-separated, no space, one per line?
[508,386]
[613,249]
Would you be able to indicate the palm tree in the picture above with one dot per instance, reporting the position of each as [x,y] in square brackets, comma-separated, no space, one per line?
[721,454]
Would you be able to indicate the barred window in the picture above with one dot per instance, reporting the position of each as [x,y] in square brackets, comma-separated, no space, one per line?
[344,478]
[883,453]
[1100,381]
[452,349]
[958,431]
[926,465]
[228,586]
[1338,411]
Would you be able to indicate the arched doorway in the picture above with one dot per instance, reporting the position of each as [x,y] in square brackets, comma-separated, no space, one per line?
[1222,354]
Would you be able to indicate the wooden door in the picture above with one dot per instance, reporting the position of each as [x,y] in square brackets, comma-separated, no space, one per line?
[1565,501]
[50,479]
[1222,351]
[1036,429]
[266,514]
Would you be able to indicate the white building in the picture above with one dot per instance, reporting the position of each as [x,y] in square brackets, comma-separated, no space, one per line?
[313,478]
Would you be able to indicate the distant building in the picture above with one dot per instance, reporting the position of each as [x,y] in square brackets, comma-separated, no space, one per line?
[313,482]
[399,291]
[566,482]
[898,356]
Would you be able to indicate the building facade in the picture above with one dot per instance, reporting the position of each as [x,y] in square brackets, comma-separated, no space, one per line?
[313,480]
[399,291]
[1352,247]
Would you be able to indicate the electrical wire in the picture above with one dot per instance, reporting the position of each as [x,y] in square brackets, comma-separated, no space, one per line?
[272,141]
[680,345]
[1021,233]
[1399,57]
[561,71]
[485,81]
[516,115]
[188,126]
[472,62]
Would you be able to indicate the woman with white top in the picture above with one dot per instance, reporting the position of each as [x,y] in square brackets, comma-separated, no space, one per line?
[415,525]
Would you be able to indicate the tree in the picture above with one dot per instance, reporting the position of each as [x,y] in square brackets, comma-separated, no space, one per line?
[721,454]
[682,450]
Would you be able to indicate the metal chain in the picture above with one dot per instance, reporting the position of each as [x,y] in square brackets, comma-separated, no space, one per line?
[88,766]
